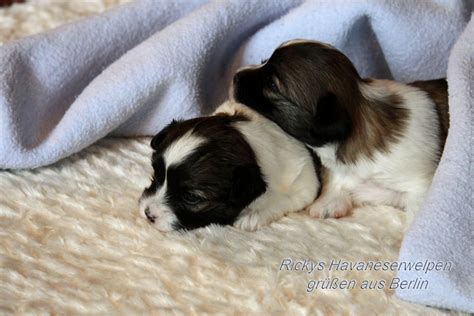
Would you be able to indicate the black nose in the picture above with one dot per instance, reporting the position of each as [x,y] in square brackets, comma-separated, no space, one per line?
[150,217]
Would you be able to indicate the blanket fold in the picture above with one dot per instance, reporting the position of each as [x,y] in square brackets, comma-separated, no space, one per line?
[443,229]
[131,70]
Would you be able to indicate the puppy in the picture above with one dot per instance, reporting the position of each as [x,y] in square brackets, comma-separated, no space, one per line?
[233,168]
[380,140]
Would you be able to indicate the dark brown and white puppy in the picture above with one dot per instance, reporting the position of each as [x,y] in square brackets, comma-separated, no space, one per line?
[233,168]
[380,140]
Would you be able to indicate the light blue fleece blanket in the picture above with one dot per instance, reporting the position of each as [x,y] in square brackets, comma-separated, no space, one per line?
[131,70]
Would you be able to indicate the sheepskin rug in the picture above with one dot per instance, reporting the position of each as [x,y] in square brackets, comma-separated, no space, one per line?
[72,241]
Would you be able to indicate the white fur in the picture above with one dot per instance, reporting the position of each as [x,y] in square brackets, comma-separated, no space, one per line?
[399,178]
[72,244]
[156,204]
[86,252]
[286,165]
[182,148]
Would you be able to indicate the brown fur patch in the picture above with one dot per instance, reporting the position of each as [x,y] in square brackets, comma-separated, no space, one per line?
[376,124]
[437,90]
[313,92]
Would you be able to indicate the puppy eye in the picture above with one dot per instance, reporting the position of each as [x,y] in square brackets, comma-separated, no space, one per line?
[192,199]
[271,84]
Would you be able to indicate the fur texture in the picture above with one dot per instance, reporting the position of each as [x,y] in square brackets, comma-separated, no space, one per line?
[380,140]
[72,243]
[234,167]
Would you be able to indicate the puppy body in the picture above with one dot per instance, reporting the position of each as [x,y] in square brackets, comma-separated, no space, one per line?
[380,140]
[399,176]
[242,167]
[287,167]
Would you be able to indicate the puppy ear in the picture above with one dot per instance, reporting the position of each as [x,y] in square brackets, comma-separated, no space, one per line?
[158,138]
[247,185]
[332,121]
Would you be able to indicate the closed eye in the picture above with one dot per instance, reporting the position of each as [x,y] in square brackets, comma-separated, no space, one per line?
[263,61]
[270,83]
[192,199]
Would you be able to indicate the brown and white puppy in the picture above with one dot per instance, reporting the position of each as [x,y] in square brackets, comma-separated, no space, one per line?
[233,168]
[380,140]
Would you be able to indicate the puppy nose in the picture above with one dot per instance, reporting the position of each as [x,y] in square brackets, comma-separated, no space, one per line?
[149,216]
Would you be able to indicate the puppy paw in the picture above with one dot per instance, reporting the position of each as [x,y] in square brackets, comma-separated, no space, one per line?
[252,222]
[330,208]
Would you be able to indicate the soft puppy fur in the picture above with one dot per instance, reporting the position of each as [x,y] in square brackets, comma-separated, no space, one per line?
[380,140]
[235,167]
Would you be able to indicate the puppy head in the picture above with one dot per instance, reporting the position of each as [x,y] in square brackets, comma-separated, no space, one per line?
[204,172]
[308,88]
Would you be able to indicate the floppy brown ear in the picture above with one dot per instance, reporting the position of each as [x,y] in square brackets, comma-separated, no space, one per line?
[158,138]
[247,185]
[332,121]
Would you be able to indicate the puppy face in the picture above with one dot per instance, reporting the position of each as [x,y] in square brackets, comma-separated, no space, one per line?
[307,88]
[204,172]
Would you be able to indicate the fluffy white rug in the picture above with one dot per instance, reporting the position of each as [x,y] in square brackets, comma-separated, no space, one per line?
[72,241]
